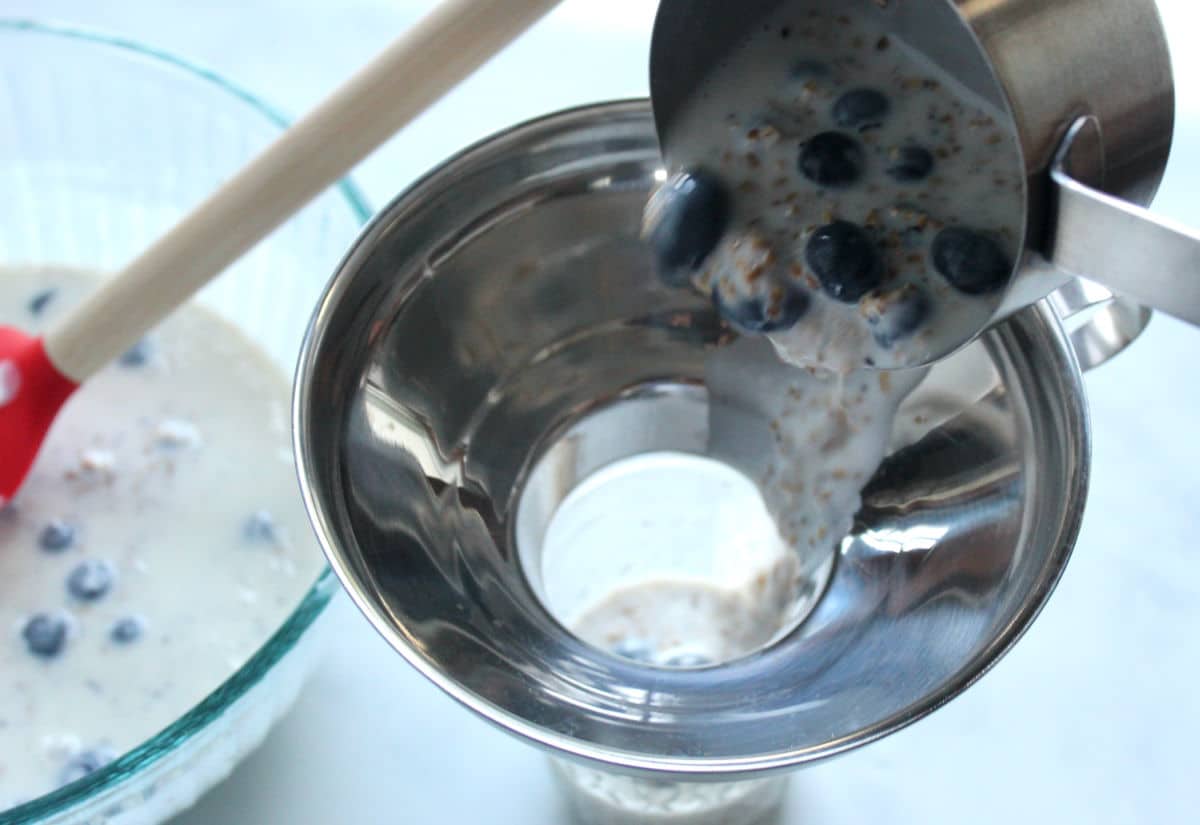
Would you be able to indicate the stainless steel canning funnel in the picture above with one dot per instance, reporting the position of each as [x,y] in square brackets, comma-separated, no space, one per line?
[498,318]
[1088,89]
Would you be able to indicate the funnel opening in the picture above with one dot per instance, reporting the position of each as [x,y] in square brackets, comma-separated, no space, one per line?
[642,545]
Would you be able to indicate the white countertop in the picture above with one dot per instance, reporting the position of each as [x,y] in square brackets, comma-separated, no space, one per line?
[1092,718]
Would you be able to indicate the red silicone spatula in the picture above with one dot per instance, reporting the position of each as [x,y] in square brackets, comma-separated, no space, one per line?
[38,375]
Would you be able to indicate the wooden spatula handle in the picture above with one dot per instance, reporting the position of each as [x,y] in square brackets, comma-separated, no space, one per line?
[415,71]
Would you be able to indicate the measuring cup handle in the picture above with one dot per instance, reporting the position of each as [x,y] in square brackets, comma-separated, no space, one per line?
[1142,260]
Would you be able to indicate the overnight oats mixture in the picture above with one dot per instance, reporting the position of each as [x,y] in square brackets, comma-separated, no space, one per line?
[156,545]
[840,194]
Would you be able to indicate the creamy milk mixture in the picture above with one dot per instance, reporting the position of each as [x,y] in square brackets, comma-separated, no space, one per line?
[158,542]
[838,192]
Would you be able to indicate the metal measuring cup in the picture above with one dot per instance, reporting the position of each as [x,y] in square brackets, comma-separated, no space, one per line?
[1088,92]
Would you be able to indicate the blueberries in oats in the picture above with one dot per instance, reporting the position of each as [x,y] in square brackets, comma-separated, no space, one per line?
[973,263]
[91,580]
[856,129]
[781,308]
[832,159]
[45,634]
[684,221]
[861,109]
[895,314]
[81,671]
[56,536]
[845,260]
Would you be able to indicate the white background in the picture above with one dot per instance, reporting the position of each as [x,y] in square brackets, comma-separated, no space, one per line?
[1092,719]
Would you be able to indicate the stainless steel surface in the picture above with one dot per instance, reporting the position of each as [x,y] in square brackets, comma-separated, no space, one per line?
[504,297]
[1123,246]
[1046,65]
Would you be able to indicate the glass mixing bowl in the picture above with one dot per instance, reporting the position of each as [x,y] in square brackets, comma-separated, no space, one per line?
[104,144]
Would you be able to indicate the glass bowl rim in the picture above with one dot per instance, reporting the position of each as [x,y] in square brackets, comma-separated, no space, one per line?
[239,683]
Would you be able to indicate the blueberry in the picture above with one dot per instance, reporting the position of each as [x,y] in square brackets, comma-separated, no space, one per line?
[91,580]
[636,650]
[895,314]
[688,660]
[85,763]
[137,355]
[127,630]
[39,302]
[684,221]
[845,260]
[832,159]
[910,164]
[780,309]
[971,261]
[259,527]
[861,109]
[56,536]
[45,635]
